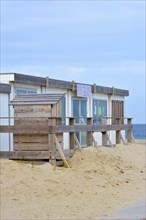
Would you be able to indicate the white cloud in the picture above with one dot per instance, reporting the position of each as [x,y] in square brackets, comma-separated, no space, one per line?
[106,72]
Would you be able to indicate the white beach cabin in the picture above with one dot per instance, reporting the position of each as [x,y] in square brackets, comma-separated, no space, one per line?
[103,104]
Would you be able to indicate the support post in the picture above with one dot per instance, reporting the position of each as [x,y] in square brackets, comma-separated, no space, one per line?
[89,133]
[118,132]
[104,138]
[72,137]
[73,86]
[129,132]
[77,142]
[51,142]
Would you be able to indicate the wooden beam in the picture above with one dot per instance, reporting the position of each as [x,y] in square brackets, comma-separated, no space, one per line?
[61,152]
[89,133]
[38,127]
[63,84]
[129,131]
[73,86]
[104,138]
[133,140]
[118,138]
[36,155]
[109,140]
[121,137]
[94,87]
[25,155]
[72,137]
[77,142]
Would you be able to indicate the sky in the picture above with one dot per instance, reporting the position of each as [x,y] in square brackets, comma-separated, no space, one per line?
[100,42]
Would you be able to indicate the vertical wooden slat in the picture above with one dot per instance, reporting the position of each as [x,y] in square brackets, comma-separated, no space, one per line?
[129,132]
[104,138]
[118,139]
[89,134]
[72,137]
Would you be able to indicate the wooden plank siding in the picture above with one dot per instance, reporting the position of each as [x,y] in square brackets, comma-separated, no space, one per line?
[36,112]
[117,111]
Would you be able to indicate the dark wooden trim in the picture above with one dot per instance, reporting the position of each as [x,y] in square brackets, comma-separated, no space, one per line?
[5,88]
[35,80]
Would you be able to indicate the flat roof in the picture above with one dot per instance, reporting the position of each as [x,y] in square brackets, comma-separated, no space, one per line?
[55,83]
[5,88]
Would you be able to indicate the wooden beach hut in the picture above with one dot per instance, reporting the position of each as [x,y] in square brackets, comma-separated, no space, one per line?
[36,111]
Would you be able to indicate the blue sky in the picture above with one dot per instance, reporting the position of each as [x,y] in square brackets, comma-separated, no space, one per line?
[100,42]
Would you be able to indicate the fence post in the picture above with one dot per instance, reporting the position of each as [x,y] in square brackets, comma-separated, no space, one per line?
[72,137]
[118,136]
[129,131]
[89,133]
[104,138]
[51,141]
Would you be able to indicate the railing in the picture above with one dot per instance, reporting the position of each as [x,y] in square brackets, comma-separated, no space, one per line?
[53,125]
[53,129]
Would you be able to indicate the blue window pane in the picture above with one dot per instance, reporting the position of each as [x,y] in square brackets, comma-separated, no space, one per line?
[99,110]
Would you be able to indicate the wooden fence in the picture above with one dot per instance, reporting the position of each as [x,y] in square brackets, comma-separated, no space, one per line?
[53,126]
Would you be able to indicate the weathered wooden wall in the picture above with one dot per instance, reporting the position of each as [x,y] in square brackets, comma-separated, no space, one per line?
[33,114]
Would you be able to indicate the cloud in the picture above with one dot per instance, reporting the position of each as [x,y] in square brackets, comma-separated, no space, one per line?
[106,72]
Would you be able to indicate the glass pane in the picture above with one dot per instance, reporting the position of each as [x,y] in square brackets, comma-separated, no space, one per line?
[19,92]
[63,110]
[76,110]
[32,92]
[83,112]
[83,115]
[99,110]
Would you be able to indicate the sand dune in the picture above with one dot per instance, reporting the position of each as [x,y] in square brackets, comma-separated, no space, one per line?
[99,182]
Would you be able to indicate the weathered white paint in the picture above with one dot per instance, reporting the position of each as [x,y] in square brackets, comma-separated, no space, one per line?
[4,112]
[116,97]
[4,138]
[6,78]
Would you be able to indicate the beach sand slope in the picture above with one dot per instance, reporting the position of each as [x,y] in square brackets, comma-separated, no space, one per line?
[99,182]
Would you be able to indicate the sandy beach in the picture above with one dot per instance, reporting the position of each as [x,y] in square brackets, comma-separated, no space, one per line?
[99,182]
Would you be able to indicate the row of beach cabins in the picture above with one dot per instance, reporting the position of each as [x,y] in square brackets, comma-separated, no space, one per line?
[44,118]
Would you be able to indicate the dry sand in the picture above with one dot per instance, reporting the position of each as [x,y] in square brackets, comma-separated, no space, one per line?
[99,182]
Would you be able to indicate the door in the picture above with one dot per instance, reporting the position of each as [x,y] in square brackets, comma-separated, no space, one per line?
[117,111]
[80,115]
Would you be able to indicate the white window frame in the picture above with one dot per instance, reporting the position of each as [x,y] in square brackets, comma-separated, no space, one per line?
[26,90]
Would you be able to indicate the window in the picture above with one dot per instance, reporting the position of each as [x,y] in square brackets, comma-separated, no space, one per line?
[24,90]
[99,110]
[79,112]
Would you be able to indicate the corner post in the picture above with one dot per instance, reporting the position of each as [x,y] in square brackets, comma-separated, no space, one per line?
[129,131]
[51,141]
